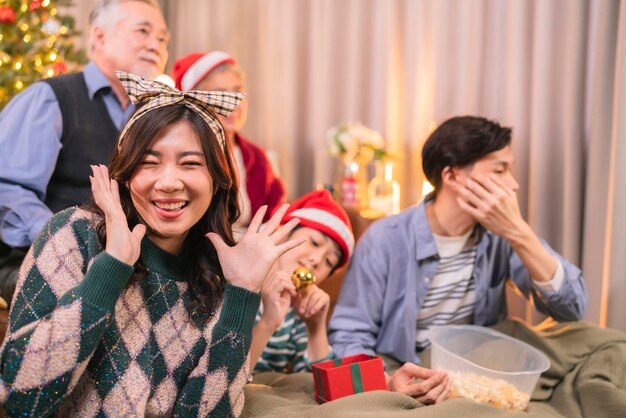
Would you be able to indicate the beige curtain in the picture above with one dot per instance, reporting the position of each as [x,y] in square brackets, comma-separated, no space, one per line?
[604,235]
[553,70]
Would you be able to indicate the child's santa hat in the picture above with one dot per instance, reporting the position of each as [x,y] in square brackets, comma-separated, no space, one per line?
[190,70]
[318,210]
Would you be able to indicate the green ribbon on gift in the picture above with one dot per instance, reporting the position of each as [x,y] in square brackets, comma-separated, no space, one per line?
[318,374]
[355,372]
[357,379]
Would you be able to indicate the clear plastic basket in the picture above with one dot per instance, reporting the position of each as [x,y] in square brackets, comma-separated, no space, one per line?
[486,365]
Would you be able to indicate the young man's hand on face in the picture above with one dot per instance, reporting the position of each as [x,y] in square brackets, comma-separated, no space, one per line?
[312,305]
[493,204]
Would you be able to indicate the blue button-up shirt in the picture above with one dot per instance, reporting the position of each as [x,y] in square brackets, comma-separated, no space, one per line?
[391,272]
[31,127]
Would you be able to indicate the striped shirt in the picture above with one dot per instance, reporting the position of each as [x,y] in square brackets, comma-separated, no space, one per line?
[452,295]
[286,350]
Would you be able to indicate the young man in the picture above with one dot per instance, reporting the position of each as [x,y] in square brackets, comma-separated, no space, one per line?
[55,129]
[290,331]
[446,261]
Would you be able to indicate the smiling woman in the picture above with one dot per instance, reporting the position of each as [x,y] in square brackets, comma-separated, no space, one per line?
[142,313]
[171,177]
[170,181]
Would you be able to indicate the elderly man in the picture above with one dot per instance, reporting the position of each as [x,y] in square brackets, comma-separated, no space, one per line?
[55,129]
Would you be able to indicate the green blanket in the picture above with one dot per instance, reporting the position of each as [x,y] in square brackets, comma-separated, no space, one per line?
[587,378]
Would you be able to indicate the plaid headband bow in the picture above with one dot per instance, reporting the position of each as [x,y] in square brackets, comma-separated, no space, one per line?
[153,94]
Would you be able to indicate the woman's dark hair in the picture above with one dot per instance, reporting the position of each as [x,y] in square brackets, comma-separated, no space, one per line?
[202,268]
[460,142]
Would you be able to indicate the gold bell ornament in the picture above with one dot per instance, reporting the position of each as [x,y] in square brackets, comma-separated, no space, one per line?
[302,278]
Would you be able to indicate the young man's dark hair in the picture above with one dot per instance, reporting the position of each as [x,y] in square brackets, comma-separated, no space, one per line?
[459,142]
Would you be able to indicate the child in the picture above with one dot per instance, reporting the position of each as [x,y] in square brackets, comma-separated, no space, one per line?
[290,330]
[126,309]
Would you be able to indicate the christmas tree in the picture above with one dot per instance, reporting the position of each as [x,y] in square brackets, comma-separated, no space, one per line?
[35,43]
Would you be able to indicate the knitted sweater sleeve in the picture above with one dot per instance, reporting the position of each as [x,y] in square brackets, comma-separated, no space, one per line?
[63,303]
[215,387]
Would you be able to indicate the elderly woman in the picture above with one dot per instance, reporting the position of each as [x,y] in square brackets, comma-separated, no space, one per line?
[258,185]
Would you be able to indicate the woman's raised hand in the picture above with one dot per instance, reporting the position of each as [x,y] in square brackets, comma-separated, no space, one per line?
[247,263]
[121,242]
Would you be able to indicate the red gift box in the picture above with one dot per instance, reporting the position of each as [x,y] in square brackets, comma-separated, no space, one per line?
[341,377]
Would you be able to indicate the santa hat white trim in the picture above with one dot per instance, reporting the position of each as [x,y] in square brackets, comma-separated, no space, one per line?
[199,69]
[329,220]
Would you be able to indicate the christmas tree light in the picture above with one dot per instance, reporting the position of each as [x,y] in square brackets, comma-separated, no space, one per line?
[36,42]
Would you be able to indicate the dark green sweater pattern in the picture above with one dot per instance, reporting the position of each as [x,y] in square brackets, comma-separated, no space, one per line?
[85,340]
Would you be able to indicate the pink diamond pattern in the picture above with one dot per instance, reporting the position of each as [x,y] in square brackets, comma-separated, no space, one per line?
[237,387]
[212,393]
[53,348]
[130,395]
[84,398]
[163,399]
[133,320]
[176,335]
[59,262]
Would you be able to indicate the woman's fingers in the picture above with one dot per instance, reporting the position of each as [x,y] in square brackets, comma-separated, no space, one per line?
[281,233]
[217,241]
[101,175]
[247,263]
[293,243]
[97,187]
[105,190]
[115,192]
[257,220]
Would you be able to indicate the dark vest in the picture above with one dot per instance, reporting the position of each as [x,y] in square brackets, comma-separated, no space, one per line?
[89,137]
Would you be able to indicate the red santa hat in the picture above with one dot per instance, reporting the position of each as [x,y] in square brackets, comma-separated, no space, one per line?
[318,210]
[190,70]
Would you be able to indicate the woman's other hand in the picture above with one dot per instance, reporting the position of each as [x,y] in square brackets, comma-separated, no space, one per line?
[247,263]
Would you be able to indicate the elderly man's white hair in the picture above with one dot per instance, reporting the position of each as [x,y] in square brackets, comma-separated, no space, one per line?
[107,13]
